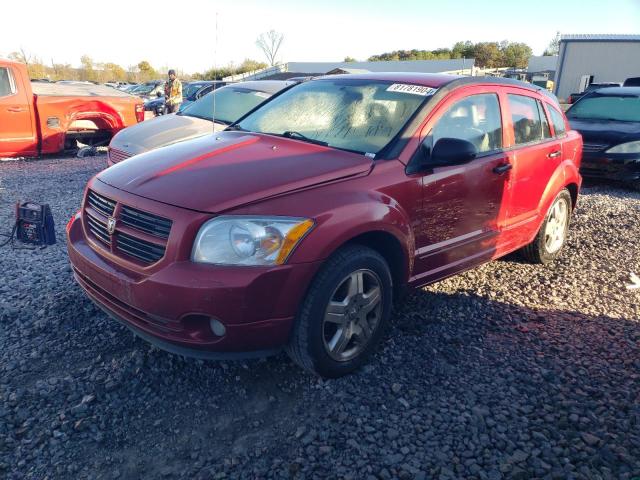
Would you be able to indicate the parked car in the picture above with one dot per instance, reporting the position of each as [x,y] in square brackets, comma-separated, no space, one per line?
[149,90]
[297,225]
[41,118]
[192,91]
[574,97]
[609,122]
[232,102]
[155,105]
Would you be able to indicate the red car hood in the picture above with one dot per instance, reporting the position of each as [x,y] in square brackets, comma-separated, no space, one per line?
[216,173]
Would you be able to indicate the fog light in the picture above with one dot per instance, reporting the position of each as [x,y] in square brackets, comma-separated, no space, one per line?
[217,327]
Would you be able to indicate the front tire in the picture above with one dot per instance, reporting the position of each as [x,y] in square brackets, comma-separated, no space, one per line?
[344,314]
[552,236]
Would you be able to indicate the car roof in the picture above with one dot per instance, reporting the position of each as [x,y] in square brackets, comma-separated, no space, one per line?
[438,80]
[433,80]
[619,91]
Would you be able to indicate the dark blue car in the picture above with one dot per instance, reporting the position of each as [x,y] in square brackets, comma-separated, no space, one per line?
[609,121]
[192,91]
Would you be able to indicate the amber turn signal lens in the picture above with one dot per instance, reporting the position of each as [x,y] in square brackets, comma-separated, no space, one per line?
[292,239]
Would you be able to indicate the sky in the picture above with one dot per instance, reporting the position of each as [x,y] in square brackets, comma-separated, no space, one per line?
[128,31]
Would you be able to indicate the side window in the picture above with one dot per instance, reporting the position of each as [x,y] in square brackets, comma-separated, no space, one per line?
[527,126]
[546,131]
[7,86]
[476,119]
[558,122]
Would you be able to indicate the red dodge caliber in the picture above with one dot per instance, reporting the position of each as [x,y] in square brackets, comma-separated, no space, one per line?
[296,226]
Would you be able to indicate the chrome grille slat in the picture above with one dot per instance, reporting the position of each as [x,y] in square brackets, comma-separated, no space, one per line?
[594,147]
[130,246]
[99,230]
[139,254]
[140,243]
[102,204]
[146,222]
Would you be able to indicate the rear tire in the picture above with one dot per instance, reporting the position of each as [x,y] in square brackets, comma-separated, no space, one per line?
[552,236]
[344,314]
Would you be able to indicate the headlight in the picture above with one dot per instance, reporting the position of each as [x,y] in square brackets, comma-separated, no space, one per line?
[630,147]
[240,240]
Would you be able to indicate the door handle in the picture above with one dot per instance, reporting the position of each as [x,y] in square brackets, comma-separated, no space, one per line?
[16,109]
[554,154]
[504,168]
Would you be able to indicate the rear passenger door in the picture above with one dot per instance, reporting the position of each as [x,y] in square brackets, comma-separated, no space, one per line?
[535,155]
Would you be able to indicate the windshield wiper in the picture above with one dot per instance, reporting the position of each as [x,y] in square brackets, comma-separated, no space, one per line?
[304,138]
[237,128]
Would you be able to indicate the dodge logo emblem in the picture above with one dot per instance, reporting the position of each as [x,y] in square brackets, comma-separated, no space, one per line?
[111,225]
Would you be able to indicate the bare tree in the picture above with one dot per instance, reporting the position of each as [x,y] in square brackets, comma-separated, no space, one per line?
[270,43]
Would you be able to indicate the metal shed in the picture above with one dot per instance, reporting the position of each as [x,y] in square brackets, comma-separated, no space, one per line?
[586,59]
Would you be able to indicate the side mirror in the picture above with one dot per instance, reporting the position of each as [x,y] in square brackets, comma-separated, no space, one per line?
[451,151]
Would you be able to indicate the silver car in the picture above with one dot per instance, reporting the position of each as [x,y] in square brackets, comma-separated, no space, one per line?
[231,103]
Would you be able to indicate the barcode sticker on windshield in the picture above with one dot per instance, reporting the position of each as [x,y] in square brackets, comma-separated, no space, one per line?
[261,94]
[413,89]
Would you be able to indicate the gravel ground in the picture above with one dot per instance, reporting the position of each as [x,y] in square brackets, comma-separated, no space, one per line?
[507,371]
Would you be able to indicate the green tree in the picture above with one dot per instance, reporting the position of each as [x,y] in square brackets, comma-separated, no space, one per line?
[114,72]
[86,70]
[35,67]
[249,65]
[487,54]
[462,50]
[147,72]
[349,59]
[516,55]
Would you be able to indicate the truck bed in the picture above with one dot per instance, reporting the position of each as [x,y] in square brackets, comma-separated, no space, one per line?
[45,89]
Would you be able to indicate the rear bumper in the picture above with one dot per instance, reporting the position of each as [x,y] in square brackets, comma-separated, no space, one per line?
[621,167]
[172,307]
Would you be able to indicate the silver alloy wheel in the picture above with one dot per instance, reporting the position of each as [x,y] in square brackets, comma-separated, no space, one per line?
[352,315]
[556,229]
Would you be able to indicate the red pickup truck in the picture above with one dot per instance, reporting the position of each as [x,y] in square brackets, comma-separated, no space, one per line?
[43,118]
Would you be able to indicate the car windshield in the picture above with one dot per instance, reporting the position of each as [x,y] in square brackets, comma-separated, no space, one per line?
[231,104]
[145,89]
[607,107]
[190,89]
[349,114]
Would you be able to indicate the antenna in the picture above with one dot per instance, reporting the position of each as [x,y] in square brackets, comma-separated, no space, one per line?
[215,70]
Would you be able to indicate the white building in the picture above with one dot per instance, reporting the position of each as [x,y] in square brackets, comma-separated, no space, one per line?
[586,59]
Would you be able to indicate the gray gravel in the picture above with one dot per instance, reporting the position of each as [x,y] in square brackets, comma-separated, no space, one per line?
[507,371]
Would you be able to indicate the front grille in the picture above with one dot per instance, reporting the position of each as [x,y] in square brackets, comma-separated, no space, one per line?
[101,204]
[116,155]
[146,222]
[594,147]
[99,229]
[133,232]
[143,250]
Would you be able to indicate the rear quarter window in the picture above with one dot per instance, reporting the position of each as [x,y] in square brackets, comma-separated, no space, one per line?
[7,85]
[557,119]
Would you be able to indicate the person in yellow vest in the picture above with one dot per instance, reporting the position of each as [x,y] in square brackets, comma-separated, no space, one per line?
[172,93]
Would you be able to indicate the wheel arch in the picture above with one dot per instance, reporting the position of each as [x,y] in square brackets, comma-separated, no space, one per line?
[390,248]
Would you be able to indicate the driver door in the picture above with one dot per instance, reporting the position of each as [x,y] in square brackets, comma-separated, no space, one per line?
[462,206]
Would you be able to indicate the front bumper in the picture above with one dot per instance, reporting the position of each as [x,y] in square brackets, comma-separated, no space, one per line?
[620,167]
[172,306]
